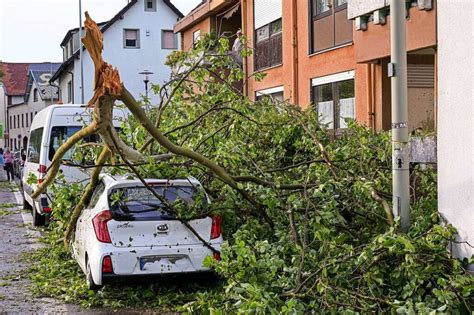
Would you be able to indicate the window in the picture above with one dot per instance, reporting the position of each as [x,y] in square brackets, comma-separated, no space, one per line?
[335,102]
[329,26]
[31,114]
[26,120]
[22,121]
[168,40]
[34,146]
[14,122]
[69,92]
[196,37]
[96,194]
[150,5]
[274,94]
[268,45]
[9,100]
[11,125]
[59,135]
[131,38]
[35,95]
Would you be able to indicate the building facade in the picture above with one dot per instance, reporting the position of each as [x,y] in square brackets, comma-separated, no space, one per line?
[328,54]
[136,39]
[39,93]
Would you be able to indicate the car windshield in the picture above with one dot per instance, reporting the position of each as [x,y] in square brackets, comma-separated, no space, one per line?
[139,203]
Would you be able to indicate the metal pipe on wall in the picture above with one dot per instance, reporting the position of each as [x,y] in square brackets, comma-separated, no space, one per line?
[398,74]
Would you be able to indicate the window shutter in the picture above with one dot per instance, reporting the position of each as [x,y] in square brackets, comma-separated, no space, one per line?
[421,76]
[267,11]
[130,35]
[169,40]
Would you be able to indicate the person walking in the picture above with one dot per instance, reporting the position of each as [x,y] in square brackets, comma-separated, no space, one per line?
[2,161]
[8,158]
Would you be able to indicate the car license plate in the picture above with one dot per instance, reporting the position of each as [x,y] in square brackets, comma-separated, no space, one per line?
[165,260]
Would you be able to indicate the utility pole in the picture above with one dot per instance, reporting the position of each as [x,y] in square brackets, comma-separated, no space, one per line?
[80,52]
[398,73]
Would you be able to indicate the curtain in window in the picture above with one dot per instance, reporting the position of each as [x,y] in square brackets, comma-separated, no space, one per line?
[130,35]
[326,113]
[347,110]
[169,40]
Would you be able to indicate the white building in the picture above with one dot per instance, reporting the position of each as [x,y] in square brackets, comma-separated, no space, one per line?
[136,39]
[39,94]
[456,120]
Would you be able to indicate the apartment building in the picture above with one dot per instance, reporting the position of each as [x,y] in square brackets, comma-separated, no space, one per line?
[328,54]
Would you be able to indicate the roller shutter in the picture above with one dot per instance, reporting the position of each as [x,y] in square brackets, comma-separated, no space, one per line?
[266,11]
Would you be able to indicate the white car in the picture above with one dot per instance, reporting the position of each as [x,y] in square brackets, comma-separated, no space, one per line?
[127,231]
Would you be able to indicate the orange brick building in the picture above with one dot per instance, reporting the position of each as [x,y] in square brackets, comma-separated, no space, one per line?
[329,54]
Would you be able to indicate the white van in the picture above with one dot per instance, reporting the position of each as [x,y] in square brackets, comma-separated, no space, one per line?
[50,128]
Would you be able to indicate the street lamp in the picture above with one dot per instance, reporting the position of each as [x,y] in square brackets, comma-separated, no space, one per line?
[146,73]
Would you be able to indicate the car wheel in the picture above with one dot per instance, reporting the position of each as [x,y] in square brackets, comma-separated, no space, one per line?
[38,219]
[89,280]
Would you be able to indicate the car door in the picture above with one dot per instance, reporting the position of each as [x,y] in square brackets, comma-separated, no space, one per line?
[83,226]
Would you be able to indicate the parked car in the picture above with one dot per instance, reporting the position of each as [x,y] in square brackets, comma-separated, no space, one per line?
[126,231]
[50,128]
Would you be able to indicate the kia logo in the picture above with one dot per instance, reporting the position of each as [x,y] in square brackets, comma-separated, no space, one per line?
[163,228]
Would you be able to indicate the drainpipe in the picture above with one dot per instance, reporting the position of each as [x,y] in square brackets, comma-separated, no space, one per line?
[294,42]
[245,60]
[398,73]
[370,113]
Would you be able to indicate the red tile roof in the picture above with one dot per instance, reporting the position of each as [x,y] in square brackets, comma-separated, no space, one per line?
[15,77]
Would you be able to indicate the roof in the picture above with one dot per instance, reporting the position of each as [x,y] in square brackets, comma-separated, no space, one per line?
[64,66]
[40,75]
[203,10]
[120,14]
[74,30]
[15,77]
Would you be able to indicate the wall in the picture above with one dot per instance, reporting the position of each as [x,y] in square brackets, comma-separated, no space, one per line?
[2,114]
[30,106]
[374,43]
[63,80]
[456,119]
[130,62]
[187,36]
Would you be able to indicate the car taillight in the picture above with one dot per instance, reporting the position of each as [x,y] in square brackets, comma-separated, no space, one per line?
[42,170]
[216,227]
[217,256]
[46,209]
[100,226]
[107,265]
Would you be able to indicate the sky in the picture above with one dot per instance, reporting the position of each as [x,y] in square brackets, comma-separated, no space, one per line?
[31,30]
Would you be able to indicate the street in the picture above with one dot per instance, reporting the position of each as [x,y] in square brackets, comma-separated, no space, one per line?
[18,238]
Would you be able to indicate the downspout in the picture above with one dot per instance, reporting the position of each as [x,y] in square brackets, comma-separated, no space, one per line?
[374,96]
[295,51]
[245,60]
[370,116]
[72,85]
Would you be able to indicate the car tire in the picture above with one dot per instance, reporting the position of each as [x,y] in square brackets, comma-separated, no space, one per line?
[38,219]
[91,285]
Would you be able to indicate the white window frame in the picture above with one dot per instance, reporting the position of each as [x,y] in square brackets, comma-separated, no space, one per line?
[271,90]
[137,30]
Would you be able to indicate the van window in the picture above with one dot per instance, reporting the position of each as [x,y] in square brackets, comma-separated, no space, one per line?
[34,146]
[59,135]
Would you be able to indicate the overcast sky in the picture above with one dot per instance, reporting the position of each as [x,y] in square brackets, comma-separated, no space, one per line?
[31,30]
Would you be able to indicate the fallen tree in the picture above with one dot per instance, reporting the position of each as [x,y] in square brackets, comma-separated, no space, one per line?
[330,243]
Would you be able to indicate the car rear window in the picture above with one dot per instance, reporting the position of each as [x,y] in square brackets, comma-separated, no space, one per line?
[140,204]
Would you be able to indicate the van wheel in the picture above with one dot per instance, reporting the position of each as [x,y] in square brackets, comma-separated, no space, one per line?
[91,285]
[38,219]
